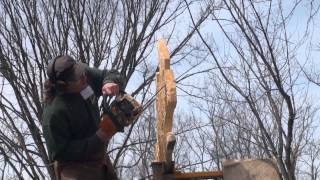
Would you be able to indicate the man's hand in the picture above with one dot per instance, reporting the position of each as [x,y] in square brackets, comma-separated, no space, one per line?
[110,89]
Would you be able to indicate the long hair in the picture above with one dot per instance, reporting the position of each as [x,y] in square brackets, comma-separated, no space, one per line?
[50,90]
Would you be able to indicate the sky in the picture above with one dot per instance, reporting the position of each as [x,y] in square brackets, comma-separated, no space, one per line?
[296,29]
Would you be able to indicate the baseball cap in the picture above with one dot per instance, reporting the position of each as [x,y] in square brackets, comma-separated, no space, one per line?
[64,68]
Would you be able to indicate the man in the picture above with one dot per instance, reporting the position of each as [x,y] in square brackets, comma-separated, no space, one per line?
[75,136]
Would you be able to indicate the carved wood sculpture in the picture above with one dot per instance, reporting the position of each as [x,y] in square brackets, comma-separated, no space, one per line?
[163,166]
[165,104]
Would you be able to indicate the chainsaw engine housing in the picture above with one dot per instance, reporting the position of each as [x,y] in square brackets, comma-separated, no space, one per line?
[124,110]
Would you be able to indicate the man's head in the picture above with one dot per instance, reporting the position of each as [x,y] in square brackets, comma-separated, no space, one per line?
[65,70]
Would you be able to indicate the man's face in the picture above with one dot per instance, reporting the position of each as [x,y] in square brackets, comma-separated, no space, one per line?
[77,86]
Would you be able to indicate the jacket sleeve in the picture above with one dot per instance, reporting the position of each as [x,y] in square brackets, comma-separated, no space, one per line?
[97,78]
[63,148]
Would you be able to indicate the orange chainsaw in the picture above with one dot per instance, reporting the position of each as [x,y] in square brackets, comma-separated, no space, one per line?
[123,110]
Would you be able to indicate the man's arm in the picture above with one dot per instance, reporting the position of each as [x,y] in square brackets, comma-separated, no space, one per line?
[97,78]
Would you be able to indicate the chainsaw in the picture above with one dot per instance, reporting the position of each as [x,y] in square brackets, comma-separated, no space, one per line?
[123,110]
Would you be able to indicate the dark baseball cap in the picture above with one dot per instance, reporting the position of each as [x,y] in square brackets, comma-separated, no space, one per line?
[65,68]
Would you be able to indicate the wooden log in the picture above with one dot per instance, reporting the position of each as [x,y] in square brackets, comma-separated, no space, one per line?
[166,101]
[250,169]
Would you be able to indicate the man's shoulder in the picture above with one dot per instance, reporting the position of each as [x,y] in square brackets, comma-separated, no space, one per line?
[58,103]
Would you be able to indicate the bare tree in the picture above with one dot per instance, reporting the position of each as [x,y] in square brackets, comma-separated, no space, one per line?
[259,66]
[310,168]
[111,34]
[310,67]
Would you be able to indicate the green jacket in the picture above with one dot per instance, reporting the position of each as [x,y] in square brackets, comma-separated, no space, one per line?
[70,122]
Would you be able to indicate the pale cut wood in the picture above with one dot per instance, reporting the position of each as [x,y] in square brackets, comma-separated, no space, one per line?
[166,101]
[171,141]
[163,53]
[250,169]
